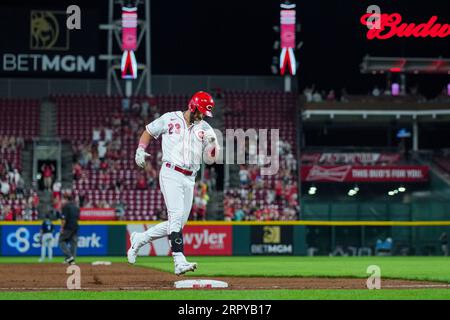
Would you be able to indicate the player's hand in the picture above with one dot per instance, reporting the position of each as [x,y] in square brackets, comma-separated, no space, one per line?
[140,157]
[209,137]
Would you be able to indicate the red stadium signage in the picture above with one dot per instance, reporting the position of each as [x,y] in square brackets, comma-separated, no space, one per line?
[128,64]
[287,39]
[391,25]
[96,214]
[365,158]
[208,240]
[350,173]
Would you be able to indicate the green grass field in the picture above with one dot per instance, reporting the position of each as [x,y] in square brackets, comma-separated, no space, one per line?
[412,268]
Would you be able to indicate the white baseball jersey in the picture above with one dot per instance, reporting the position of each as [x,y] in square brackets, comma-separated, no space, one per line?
[182,145]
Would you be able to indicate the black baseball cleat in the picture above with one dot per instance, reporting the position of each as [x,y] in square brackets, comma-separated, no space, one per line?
[70,260]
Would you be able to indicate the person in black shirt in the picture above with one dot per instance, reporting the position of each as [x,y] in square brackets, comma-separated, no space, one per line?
[69,229]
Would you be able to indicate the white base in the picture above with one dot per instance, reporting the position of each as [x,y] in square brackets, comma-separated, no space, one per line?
[101,263]
[200,284]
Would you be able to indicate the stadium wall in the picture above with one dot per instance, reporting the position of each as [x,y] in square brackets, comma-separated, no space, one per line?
[239,238]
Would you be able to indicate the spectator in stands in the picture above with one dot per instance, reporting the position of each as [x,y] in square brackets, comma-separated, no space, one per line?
[77,171]
[96,134]
[47,173]
[244,177]
[308,93]
[317,97]
[331,96]
[57,205]
[141,183]
[3,144]
[108,134]
[20,143]
[116,120]
[120,209]
[376,92]
[344,95]
[4,188]
[57,189]
[145,109]
[95,162]
[17,212]
[136,108]
[8,213]
[104,180]
[161,214]
[125,105]
[34,201]
[239,214]
[102,148]
[155,110]
[27,212]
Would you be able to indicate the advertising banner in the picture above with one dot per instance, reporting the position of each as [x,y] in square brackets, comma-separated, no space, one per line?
[348,173]
[272,240]
[38,43]
[96,214]
[23,240]
[365,158]
[198,240]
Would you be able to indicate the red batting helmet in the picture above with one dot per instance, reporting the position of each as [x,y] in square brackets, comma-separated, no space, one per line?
[203,102]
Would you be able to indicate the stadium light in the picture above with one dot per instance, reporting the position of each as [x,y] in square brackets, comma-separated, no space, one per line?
[351,192]
[402,189]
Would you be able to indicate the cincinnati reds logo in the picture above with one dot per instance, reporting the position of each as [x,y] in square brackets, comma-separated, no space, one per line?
[201,134]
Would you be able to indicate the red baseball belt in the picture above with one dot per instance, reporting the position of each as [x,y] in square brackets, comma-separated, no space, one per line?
[176,168]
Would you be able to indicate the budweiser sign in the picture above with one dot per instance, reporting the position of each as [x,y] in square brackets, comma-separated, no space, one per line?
[335,174]
[365,158]
[364,173]
[391,25]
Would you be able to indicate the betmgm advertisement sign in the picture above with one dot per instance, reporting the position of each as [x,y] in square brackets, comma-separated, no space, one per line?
[37,43]
[272,240]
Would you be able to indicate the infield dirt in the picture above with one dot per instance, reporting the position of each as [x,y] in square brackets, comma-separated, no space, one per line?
[121,276]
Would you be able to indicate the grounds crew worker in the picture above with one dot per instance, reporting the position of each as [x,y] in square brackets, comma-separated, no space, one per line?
[69,229]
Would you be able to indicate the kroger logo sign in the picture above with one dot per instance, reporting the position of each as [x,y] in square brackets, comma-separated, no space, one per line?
[24,240]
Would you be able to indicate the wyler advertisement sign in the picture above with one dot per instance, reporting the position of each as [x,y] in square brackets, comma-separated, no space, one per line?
[272,240]
[24,240]
[50,41]
[198,240]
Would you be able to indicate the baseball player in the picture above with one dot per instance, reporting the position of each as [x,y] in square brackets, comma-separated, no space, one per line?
[186,140]
[46,236]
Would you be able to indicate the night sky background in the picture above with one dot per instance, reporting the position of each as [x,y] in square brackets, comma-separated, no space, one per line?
[236,38]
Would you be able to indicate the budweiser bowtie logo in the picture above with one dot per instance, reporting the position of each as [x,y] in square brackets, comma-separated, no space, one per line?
[391,25]
[336,174]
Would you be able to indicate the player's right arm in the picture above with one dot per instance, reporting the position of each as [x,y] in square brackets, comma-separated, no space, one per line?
[153,129]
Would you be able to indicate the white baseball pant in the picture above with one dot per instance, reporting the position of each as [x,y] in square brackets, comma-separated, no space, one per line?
[47,243]
[178,193]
